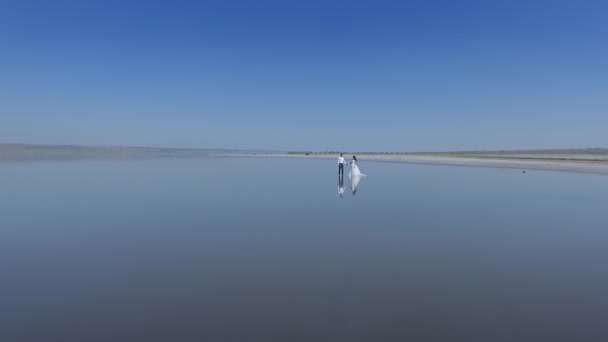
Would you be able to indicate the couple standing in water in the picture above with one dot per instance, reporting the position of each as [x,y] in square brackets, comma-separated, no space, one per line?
[354,174]
[354,168]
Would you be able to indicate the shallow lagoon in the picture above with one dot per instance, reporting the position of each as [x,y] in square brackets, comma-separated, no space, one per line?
[234,249]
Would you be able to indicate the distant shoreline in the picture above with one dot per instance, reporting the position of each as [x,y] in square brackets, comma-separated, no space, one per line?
[567,163]
[574,160]
[19,152]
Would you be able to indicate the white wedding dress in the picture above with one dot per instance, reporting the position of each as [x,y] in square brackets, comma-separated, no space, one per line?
[354,171]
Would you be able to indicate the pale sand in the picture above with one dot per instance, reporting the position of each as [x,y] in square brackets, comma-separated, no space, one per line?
[529,162]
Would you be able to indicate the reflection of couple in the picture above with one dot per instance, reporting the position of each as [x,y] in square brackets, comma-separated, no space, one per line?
[354,175]
[341,186]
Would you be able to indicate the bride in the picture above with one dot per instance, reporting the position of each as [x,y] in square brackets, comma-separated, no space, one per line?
[354,175]
[354,169]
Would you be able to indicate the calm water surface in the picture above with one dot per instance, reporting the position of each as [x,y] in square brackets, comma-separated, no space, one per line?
[227,249]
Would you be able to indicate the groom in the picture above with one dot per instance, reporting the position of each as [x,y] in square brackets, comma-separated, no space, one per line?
[341,163]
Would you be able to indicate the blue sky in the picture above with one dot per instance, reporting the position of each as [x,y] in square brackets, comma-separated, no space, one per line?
[345,75]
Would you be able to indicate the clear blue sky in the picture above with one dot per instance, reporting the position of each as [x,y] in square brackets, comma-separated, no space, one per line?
[350,75]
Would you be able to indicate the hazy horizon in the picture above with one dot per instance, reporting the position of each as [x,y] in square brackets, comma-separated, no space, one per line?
[317,75]
[253,149]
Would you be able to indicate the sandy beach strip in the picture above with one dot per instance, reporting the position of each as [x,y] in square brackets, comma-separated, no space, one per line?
[529,162]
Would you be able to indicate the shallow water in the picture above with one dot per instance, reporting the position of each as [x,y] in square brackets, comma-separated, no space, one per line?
[229,249]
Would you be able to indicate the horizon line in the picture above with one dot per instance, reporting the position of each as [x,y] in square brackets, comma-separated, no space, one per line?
[318,151]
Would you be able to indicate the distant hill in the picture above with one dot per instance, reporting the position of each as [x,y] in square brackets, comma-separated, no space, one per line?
[32,151]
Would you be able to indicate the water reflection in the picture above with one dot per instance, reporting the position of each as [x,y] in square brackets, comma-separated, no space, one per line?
[326,275]
[354,183]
